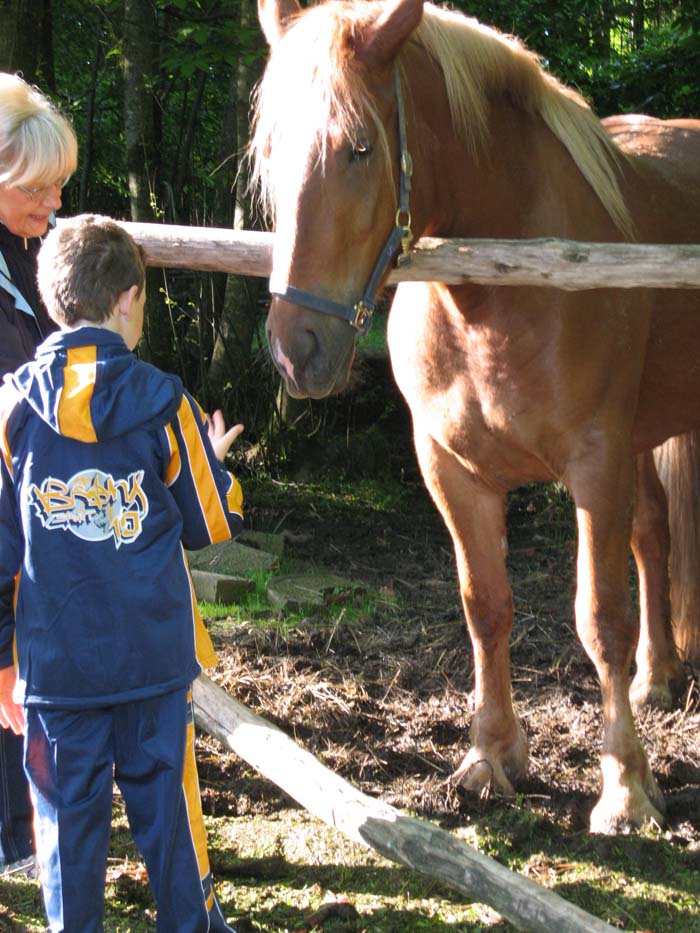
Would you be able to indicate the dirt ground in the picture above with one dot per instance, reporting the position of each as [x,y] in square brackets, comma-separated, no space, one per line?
[385,701]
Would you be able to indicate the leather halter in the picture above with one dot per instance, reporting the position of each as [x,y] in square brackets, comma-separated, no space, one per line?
[359,315]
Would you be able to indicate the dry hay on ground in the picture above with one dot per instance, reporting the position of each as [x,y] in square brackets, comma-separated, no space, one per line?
[385,701]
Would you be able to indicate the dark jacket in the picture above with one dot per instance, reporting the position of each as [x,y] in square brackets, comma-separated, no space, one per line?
[106,476]
[20,333]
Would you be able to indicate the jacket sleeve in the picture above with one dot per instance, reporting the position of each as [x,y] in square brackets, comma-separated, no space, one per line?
[208,496]
[11,542]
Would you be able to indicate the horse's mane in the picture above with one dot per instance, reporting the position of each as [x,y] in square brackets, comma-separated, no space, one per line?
[313,83]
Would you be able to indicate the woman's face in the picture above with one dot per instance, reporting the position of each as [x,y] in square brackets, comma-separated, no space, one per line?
[28,216]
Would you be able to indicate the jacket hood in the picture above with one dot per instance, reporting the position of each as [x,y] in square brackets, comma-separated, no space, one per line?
[87,385]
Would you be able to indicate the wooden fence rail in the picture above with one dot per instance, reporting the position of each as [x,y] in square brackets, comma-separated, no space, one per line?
[565,264]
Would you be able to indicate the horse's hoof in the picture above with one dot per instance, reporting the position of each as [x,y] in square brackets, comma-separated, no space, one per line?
[613,824]
[628,811]
[483,776]
[661,694]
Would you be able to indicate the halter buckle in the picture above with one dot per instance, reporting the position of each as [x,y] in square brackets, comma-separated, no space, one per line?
[404,257]
[363,317]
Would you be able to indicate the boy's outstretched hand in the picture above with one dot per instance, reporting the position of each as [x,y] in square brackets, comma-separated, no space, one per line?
[221,439]
[11,715]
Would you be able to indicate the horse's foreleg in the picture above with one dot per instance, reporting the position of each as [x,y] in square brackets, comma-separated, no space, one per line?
[659,678]
[475,516]
[602,487]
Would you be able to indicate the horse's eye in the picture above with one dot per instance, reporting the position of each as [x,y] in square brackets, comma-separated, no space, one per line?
[360,151]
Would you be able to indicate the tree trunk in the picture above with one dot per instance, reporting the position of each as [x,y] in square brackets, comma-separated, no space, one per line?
[140,38]
[182,172]
[601,23]
[25,41]
[237,319]
[638,24]
[87,151]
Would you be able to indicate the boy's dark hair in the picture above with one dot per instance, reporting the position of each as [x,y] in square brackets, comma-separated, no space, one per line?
[85,263]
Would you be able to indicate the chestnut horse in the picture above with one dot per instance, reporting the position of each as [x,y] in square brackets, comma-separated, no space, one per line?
[506,385]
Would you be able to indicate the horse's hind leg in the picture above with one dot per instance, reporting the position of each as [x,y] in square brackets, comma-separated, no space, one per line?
[659,678]
[602,486]
[475,516]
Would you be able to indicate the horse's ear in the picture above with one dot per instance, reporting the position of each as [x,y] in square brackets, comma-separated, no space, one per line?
[273,16]
[381,39]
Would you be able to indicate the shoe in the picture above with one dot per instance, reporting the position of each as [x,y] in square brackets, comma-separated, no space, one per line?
[23,866]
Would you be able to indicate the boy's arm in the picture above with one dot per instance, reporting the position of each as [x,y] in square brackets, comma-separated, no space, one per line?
[208,496]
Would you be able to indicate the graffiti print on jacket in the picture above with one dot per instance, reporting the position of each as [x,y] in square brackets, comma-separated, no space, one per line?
[93,505]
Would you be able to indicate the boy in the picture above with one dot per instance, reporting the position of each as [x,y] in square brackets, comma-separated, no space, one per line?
[108,471]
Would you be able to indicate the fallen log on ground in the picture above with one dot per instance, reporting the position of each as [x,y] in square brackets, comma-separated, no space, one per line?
[566,264]
[415,843]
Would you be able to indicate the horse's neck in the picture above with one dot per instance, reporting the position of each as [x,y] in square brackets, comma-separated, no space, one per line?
[522,182]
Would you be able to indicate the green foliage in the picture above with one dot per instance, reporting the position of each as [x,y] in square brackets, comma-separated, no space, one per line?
[619,64]
[196,38]
[660,78]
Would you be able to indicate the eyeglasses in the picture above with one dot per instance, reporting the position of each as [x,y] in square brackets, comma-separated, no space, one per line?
[40,194]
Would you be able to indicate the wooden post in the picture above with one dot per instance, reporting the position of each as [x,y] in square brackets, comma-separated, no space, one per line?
[418,844]
[565,264]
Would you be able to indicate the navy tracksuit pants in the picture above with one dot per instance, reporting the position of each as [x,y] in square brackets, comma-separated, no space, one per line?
[72,758]
[16,832]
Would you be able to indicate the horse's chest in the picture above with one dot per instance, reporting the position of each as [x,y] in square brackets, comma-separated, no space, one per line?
[469,390]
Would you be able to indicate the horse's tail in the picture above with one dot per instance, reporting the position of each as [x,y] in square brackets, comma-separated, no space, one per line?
[678,464]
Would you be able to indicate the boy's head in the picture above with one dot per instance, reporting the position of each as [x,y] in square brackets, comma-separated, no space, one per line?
[86,265]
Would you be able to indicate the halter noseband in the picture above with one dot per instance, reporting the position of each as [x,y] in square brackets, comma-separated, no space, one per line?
[360,314]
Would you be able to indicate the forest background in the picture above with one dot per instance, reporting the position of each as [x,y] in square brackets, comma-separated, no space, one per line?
[159,94]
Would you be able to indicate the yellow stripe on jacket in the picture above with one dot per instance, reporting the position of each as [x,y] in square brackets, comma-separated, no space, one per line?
[79,374]
[207,492]
[173,470]
[203,645]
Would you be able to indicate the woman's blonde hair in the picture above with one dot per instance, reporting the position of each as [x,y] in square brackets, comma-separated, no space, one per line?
[38,145]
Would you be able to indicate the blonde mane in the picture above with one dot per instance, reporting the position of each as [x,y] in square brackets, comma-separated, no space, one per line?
[313,86]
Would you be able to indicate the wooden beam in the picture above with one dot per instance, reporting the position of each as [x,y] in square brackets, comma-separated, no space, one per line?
[210,249]
[565,264]
[417,844]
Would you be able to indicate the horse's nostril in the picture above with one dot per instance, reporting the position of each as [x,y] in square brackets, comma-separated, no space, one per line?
[311,344]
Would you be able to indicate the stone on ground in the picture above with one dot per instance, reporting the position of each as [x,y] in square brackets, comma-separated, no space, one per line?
[232,558]
[303,590]
[219,587]
[263,541]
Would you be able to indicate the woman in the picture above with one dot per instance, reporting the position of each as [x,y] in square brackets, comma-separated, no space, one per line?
[38,154]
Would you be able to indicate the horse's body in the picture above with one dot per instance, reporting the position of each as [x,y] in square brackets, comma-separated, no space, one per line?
[506,385]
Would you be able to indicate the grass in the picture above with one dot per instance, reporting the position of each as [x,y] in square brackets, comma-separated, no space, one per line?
[278,871]
[355,603]
[251,606]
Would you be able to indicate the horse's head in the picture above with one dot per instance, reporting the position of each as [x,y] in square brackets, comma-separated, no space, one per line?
[326,155]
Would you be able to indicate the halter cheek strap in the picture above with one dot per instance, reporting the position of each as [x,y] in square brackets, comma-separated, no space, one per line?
[359,315]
